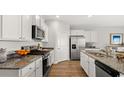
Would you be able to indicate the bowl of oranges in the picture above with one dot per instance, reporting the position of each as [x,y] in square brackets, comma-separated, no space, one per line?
[22,52]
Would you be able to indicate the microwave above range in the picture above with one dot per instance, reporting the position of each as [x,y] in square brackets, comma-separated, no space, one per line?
[37,32]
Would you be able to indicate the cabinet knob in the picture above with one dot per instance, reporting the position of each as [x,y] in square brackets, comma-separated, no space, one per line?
[30,68]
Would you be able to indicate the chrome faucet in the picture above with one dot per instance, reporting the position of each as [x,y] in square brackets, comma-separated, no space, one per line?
[108,50]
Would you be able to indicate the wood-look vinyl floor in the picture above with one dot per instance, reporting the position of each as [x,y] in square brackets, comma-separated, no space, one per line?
[67,69]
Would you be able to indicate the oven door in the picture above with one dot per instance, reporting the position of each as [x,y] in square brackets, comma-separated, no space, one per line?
[46,66]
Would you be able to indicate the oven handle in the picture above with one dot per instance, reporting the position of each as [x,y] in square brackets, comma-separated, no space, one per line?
[45,57]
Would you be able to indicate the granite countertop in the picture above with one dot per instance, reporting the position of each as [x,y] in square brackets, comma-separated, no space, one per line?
[109,61]
[19,62]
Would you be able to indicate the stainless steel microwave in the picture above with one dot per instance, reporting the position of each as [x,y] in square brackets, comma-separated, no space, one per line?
[37,33]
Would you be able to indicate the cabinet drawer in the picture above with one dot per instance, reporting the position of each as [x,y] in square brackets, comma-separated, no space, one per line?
[28,69]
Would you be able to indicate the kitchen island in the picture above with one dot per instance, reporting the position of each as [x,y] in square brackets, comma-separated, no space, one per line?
[102,58]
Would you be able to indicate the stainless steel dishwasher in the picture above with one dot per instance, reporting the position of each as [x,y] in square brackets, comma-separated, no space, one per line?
[103,70]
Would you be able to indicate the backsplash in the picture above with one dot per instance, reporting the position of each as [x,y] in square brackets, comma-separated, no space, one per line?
[14,45]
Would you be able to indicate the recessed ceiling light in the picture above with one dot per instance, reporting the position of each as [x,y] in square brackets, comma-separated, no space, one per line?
[57,16]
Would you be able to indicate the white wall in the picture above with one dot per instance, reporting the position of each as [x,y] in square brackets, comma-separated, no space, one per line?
[58,37]
[103,34]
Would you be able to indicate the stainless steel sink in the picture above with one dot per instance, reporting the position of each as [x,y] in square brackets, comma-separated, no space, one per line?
[98,54]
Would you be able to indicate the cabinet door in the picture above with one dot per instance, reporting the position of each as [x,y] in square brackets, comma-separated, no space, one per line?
[81,59]
[52,57]
[86,63]
[26,27]
[39,68]
[36,20]
[11,27]
[88,36]
[28,70]
[91,67]
[46,34]
[94,36]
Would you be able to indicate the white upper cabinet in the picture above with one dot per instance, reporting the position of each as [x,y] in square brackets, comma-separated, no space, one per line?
[91,36]
[46,33]
[77,32]
[11,27]
[45,28]
[87,36]
[36,20]
[26,27]
[42,21]
[94,36]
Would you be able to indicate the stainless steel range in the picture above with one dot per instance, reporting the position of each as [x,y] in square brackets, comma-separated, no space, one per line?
[44,54]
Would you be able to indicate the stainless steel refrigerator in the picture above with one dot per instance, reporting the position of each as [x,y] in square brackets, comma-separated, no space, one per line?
[77,43]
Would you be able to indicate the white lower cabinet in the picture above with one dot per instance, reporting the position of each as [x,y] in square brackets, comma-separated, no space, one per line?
[92,72]
[28,70]
[39,68]
[88,64]
[34,69]
[84,62]
[51,58]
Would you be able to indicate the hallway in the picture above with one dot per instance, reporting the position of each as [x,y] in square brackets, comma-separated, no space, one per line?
[67,69]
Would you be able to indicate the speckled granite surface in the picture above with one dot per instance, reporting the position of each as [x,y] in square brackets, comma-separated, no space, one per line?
[109,61]
[19,62]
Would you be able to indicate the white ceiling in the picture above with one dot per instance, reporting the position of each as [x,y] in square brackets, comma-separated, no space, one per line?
[94,21]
